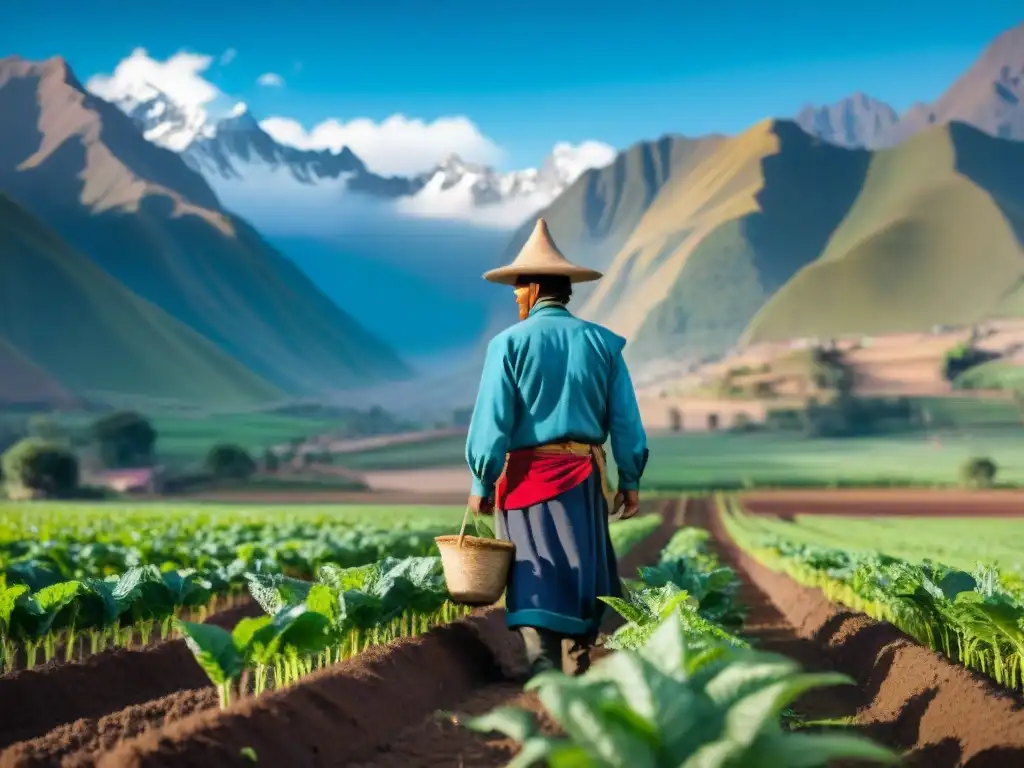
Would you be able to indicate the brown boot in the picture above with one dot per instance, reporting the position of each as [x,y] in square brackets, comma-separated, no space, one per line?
[579,657]
[543,650]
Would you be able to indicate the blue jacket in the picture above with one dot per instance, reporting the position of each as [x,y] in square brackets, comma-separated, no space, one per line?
[554,377]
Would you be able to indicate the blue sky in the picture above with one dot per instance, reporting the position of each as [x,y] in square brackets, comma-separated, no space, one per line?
[531,73]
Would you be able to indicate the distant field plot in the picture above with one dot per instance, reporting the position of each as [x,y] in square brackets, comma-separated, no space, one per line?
[969,412]
[957,542]
[436,452]
[42,520]
[767,459]
[996,374]
[728,460]
[188,440]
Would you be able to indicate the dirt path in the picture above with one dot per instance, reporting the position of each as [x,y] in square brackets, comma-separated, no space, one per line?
[770,630]
[439,743]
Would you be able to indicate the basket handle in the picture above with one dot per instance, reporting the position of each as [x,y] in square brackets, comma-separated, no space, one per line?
[462,530]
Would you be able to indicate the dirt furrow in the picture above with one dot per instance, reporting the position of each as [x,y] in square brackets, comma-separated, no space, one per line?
[440,743]
[379,706]
[34,701]
[907,696]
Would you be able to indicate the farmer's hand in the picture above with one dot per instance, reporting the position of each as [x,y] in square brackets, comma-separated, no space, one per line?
[631,501]
[478,505]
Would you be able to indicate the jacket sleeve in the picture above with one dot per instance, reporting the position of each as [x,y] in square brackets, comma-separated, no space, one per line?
[493,420]
[629,441]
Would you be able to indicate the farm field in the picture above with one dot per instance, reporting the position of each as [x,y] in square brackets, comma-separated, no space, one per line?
[698,461]
[396,634]
[961,541]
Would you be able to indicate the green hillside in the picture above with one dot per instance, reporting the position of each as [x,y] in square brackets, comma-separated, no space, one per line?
[773,234]
[141,214]
[803,189]
[936,236]
[75,328]
[596,215]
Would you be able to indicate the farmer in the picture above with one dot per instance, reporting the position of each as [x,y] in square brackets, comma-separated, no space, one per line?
[554,389]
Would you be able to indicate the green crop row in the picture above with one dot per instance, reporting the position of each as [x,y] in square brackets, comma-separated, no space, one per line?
[682,690]
[68,595]
[313,624]
[973,618]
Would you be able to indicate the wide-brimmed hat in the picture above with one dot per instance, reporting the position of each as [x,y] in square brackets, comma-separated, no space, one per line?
[540,256]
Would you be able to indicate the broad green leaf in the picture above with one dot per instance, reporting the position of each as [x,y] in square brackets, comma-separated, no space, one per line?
[321,599]
[9,598]
[590,713]
[756,710]
[812,750]
[744,675]
[666,649]
[215,651]
[245,629]
[513,722]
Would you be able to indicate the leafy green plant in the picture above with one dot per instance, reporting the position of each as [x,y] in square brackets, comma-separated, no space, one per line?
[668,705]
[973,618]
[311,625]
[689,583]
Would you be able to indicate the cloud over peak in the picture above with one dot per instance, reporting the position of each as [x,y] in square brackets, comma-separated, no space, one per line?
[397,145]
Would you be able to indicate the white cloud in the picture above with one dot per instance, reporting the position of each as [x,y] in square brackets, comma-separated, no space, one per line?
[139,78]
[228,56]
[270,80]
[397,145]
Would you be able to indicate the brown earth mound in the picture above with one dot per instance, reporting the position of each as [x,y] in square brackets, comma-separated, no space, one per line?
[343,713]
[895,502]
[36,700]
[440,743]
[78,744]
[358,709]
[913,698]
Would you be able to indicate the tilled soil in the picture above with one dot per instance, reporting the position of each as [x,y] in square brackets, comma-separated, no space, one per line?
[440,743]
[896,502]
[380,710]
[910,697]
[37,700]
[379,707]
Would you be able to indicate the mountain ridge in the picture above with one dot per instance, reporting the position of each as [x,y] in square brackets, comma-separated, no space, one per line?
[86,333]
[138,211]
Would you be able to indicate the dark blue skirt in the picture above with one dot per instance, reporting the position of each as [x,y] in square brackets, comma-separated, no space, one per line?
[564,561]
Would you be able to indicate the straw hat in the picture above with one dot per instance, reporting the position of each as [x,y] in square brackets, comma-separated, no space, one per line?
[540,256]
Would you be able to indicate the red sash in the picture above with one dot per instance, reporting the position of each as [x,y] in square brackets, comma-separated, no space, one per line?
[532,476]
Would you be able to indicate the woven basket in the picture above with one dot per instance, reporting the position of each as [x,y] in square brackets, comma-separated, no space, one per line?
[475,569]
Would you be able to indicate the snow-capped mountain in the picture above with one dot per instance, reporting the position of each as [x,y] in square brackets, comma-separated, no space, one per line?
[255,174]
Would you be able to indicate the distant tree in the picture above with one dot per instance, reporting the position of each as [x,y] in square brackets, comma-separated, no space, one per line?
[125,439]
[270,461]
[40,466]
[962,357]
[978,472]
[230,461]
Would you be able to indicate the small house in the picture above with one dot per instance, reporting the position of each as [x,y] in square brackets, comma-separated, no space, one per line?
[146,480]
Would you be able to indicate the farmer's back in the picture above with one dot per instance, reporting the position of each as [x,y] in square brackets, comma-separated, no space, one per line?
[562,367]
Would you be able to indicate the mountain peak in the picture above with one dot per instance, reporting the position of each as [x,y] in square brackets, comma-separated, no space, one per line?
[859,120]
[240,119]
